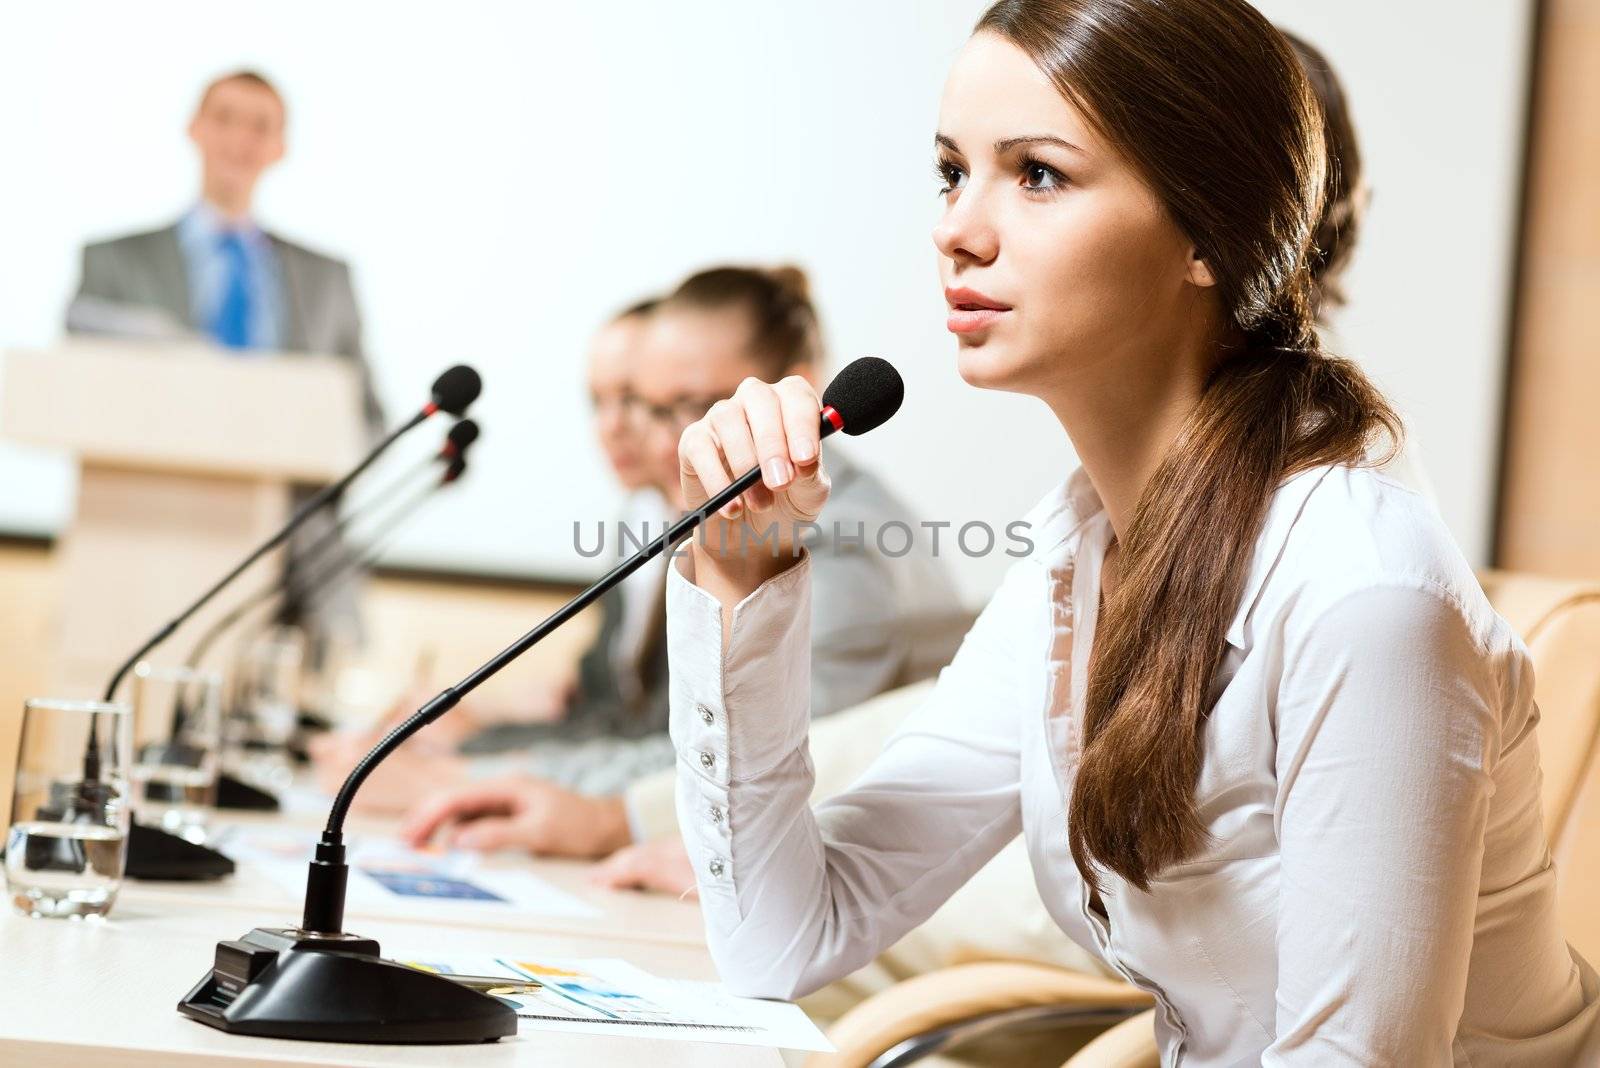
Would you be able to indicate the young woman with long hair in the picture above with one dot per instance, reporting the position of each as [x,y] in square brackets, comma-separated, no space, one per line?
[1272,752]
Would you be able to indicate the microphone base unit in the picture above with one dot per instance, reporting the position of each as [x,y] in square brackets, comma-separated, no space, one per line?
[284,982]
[157,854]
[235,793]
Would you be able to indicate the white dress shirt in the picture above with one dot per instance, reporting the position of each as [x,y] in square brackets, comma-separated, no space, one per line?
[200,233]
[1376,890]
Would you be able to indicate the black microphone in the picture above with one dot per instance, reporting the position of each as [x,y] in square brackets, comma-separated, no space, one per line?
[463,434]
[298,971]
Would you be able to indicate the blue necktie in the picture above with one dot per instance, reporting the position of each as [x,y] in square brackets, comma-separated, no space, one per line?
[231,325]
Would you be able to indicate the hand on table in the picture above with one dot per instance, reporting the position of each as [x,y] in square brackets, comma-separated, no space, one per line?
[520,812]
[395,784]
[661,864]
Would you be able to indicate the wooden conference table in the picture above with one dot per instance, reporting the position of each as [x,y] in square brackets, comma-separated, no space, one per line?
[105,993]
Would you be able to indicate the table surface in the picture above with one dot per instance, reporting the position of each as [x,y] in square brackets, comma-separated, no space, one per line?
[642,917]
[105,992]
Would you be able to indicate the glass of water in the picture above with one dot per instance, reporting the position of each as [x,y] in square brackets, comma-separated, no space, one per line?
[266,708]
[69,812]
[177,736]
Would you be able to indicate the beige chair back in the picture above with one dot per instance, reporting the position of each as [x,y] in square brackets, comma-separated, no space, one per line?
[1560,622]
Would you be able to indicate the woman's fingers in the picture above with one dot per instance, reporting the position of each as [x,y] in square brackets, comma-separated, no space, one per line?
[453,806]
[491,834]
[730,427]
[700,465]
[763,411]
[659,865]
[774,429]
[798,407]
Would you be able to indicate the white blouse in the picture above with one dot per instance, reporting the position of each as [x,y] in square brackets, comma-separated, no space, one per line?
[1377,889]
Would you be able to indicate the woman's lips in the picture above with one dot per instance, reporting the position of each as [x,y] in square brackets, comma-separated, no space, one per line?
[965,321]
[971,311]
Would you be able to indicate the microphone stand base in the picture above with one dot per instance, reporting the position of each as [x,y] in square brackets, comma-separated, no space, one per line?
[233,792]
[158,854]
[278,982]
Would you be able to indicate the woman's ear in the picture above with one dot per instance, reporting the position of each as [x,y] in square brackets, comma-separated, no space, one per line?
[1199,271]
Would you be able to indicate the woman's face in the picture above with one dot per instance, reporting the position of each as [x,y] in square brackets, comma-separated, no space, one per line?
[611,357]
[1055,256]
[689,360]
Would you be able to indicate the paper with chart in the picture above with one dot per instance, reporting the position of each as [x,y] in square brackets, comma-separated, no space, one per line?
[385,876]
[610,997]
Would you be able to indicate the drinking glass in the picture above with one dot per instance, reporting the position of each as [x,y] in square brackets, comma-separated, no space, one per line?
[69,814]
[266,708]
[177,735]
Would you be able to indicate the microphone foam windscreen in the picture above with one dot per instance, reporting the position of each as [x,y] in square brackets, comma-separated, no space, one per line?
[866,394]
[458,387]
[463,434]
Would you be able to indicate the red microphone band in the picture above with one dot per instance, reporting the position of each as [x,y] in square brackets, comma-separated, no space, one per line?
[429,408]
[831,414]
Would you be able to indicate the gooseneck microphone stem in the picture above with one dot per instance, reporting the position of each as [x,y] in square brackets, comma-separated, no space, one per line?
[317,548]
[324,909]
[339,570]
[460,438]
[319,500]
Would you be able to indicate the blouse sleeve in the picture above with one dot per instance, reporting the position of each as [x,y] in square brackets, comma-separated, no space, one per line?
[795,898]
[1388,729]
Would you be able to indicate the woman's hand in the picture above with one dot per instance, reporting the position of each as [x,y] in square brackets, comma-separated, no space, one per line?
[392,786]
[661,864]
[520,812]
[752,538]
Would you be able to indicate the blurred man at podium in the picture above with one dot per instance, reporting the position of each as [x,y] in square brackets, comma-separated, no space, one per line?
[215,273]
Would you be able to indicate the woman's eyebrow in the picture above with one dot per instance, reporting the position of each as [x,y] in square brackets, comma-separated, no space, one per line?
[1003,146]
[945,141]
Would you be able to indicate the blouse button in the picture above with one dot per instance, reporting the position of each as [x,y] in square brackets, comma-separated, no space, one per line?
[705,714]
[716,814]
[715,867]
[707,760]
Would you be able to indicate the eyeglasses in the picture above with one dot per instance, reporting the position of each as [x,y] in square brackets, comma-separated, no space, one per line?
[610,403]
[675,415]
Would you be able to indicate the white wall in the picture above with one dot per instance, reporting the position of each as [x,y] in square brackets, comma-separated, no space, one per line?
[502,175]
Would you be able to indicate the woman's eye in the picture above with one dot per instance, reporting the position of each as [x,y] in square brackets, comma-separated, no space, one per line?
[1039,176]
[950,175]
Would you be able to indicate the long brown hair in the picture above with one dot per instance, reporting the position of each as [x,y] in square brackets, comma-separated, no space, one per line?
[1209,102]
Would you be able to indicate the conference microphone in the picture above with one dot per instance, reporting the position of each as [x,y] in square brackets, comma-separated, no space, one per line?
[153,853]
[285,982]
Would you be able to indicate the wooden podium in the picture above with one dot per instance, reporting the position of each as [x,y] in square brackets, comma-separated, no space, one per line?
[186,458]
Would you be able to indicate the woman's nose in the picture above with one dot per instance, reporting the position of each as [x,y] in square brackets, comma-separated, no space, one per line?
[965,234]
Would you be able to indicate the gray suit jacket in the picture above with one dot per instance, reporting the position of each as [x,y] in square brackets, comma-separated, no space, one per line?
[146,271]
